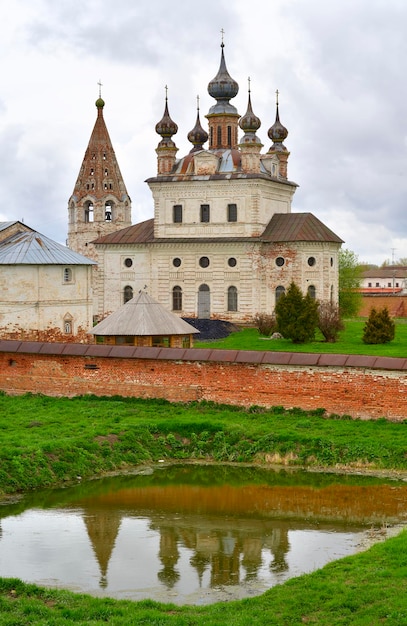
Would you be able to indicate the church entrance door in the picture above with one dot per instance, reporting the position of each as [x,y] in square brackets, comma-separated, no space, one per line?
[204,302]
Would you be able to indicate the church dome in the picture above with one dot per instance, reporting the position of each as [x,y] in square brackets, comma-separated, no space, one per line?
[222,88]
[277,132]
[197,136]
[249,122]
[100,103]
[166,127]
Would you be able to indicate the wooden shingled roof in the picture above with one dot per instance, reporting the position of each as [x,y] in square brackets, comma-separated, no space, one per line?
[140,317]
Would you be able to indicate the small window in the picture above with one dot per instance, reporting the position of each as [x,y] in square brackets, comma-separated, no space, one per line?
[67,327]
[377,284]
[219,136]
[128,262]
[332,261]
[232,298]
[312,292]
[127,293]
[280,261]
[204,212]
[311,261]
[67,275]
[369,284]
[232,212]
[176,262]
[232,262]
[229,136]
[397,284]
[177,213]
[177,298]
[204,261]
[89,212]
[280,290]
[161,342]
[389,284]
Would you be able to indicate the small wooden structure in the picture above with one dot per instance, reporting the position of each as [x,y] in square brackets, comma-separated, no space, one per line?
[144,322]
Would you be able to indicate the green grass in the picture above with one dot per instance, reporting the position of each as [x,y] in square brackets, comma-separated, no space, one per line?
[350,342]
[48,441]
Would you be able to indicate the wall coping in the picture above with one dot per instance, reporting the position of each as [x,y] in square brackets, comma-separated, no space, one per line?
[204,354]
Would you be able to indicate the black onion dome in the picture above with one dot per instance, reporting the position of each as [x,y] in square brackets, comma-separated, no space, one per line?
[277,132]
[197,136]
[249,122]
[166,127]
[222,88]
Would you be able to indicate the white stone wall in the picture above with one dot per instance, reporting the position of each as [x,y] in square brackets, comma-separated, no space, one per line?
[35,299]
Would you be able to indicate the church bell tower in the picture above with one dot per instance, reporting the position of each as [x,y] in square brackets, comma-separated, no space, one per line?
[100,204]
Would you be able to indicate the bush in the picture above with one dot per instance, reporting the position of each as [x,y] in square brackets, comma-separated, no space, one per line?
[329,320]
[379,328]
[265,323]
[297,315]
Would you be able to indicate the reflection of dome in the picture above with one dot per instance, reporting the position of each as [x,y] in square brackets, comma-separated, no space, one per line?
[222,88]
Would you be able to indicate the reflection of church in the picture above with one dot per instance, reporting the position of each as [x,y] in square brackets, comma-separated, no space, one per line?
[223,241]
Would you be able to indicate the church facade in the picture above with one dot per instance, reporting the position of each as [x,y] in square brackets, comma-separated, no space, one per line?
[223,242]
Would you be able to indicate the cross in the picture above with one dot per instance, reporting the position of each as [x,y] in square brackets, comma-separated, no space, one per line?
[197,102]
[166,92]
[248,80]
[100,88]
[277,97]
[222,32]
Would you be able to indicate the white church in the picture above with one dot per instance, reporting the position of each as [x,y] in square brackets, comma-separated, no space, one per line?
[223,242]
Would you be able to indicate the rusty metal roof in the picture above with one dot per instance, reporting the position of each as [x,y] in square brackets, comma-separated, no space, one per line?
[142,316]
[282,227]
[298,227]
[138,233]
[32,248]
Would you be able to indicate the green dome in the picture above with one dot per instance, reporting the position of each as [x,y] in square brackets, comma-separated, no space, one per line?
[100,103]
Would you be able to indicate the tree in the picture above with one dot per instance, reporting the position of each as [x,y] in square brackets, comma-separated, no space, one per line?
[379,328]
[350,276]
[297,315]
[329,320]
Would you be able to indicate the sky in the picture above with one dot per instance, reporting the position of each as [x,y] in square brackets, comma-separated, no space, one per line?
[340,67]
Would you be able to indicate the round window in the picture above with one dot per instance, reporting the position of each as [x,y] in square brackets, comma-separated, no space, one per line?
[204,261]
[128,262]
[311,261]
[280,261]
[176,262]
[232,262]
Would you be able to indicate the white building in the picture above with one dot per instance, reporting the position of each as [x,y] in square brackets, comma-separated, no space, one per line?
[45,288]
[223,242]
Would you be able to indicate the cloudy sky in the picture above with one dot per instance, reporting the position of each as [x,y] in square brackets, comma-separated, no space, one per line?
[340,67]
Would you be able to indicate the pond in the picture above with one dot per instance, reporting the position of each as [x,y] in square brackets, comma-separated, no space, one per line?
[192,534]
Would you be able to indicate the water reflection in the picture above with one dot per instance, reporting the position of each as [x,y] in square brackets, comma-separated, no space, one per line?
[171,536]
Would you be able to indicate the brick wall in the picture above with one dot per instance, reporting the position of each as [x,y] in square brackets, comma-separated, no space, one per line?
[361,386]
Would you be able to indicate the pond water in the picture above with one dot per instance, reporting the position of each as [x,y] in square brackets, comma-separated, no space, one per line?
[192,534]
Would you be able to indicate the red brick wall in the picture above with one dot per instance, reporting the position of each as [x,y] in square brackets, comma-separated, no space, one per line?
[365,387]
[396,305]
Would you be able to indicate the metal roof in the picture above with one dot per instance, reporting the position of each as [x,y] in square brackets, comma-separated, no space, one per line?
[32,248]
[298,227]
[142,316]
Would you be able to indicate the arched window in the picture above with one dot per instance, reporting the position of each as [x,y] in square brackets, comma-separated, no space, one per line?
[108,211]
[88,212]
[67,275]
[312,291]
[229,136]
[177,298]
[232,298]
[279,292]
[127,293]
[219,136]
[68,324]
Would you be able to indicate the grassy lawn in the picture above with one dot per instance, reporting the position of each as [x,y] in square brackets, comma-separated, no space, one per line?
[48,441]
[350,342]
